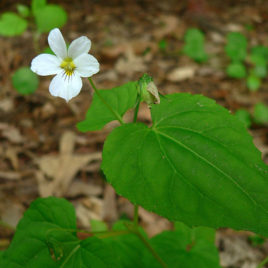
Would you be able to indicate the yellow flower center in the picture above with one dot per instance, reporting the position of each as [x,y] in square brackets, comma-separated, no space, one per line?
[68,66]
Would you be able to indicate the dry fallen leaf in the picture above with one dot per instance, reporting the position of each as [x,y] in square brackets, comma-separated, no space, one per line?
[238,253]
[10,175]
[12,134]
[11,213]
[130,63]
[12,154]
[181,73]
[62,168]
[169,24]
[110,213]
[82,188]
[6,105]
[90,208]
[153,223]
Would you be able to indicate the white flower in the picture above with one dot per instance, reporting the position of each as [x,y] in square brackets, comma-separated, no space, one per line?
[68,65]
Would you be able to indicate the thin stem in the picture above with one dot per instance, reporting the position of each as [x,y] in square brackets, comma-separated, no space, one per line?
[263,263]
[131,228]
[147,244]
[136,207]
[111,233]
[101,234]
[70,255]
[119,118]
[136,110]
[36,37]
[135,230]
[136,215]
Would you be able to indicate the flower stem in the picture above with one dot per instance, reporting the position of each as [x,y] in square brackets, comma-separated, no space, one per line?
[36,37]
[136,110]
[118,117]
[263,263]
[100,234]
[110,233]
[132,228]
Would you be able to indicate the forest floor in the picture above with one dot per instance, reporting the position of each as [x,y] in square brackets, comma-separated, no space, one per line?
[38,135]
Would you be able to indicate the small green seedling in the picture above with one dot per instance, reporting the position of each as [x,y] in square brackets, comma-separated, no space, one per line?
[236,47]
[46,17]
[253,82]
[261,113]
[258,58]
[236,50]
[25,81]
[49,17]
[260,65]
[195,45]
[236,70]
[11,24]
[23,10]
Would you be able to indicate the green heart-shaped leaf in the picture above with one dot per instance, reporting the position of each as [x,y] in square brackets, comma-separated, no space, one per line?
[49,17]
[11,24]
[120,98]
[25,81]
[46,237]
[196,164]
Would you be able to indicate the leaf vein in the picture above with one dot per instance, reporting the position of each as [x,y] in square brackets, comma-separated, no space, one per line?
[213,166]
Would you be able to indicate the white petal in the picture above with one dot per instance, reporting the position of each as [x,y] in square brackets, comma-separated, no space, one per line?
[65,87]
[57,43]
[79,46]
[46,64]
[86,65]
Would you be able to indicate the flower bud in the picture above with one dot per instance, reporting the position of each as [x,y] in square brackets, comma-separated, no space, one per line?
[148,90]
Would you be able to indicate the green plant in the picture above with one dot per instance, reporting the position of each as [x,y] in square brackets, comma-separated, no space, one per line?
[195,164]
[25,81]
[258,59]
[195,45]
[23,10]
[236,50]
[236,70]
[236,47]
[46,16]
[49,17]
[261,113]
[11,24]
[253,82]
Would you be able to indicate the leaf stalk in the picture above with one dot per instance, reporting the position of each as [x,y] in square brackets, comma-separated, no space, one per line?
[118,117]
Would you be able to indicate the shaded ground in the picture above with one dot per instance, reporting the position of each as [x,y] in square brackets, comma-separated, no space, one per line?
[38,135]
